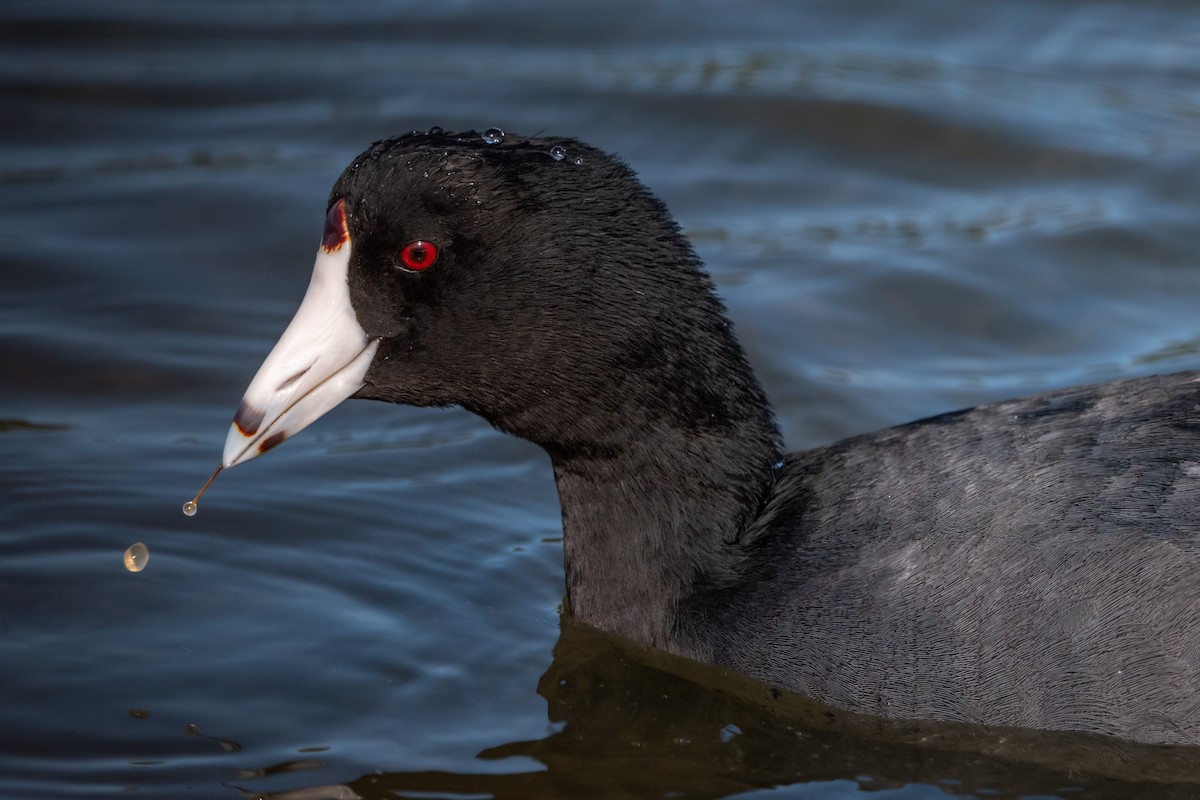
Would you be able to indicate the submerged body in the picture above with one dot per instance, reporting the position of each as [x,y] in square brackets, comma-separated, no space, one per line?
[1030,563]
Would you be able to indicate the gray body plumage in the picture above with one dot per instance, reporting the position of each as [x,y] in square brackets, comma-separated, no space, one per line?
[1032,563]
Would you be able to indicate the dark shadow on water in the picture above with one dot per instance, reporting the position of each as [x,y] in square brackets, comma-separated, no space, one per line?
[632,723]
[8,425]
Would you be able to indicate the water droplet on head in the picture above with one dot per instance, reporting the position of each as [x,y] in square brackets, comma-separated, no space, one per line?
[579,161]
[493,136]
[436,131]
[558,152]
[136,557]
[189,508]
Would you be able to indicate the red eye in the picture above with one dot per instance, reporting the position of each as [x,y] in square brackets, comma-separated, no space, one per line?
[419,255]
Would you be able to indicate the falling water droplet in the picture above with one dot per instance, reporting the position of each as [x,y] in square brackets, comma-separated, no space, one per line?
[136,557]
[558,152]
[436,131]
[493,136]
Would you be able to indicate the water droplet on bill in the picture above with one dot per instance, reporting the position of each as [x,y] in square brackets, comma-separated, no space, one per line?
[191,506]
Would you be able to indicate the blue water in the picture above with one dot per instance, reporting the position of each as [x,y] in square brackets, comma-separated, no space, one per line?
[909,208]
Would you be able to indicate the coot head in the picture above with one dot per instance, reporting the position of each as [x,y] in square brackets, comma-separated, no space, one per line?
[534,281]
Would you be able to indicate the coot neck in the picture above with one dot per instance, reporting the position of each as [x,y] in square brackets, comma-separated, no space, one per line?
[655,519]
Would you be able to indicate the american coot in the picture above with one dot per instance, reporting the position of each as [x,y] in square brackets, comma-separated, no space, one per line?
[1030,563]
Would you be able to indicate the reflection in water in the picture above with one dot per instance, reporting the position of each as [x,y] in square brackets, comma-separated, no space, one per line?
[632,722]
[228,745]
[300,765]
